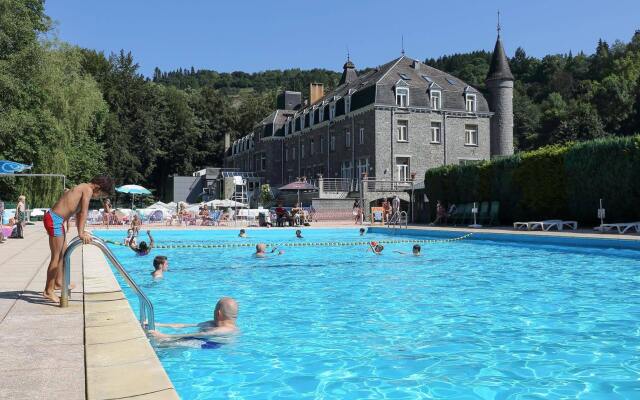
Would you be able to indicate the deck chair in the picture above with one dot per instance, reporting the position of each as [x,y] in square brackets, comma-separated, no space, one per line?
[622,228]
[455,215]
[459,215]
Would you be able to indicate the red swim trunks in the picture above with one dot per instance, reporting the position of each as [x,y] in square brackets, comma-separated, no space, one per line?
[54,224]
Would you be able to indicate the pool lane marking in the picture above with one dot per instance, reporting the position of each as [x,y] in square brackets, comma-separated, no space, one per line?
[298,244]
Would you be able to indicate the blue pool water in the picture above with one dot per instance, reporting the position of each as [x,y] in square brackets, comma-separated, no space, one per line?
[467,320]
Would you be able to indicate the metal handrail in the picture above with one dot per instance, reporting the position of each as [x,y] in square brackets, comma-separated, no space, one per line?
[147,316]
[397,220]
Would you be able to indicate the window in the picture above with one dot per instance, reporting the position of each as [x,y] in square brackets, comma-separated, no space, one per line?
[311,149]
[321,144]
[333,143]
[435,132]
[332,111]
[451,81]
[347,139]
[321,116]
[404,76]
[426,78]
[302,151]
[403,130]
[471,103]
[402,168]
[402,96]
[436,101]
[470,135]
[363,166]
[286,154]
[346,170]
[293,153]
[302,118]
[347,104]
[361,136]
[311,117]
[263,162]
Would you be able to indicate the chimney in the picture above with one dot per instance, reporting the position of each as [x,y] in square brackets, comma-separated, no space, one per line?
[227,141]
[316,92]
[416,64]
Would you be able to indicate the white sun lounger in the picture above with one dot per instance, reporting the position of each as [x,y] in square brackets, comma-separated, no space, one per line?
[546,225]
[621,227]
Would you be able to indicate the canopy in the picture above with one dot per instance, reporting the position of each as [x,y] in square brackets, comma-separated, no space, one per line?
[225,203]
[298,185]
[9,167]
[132,189]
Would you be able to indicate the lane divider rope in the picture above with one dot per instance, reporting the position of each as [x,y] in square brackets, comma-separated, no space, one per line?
[298,244]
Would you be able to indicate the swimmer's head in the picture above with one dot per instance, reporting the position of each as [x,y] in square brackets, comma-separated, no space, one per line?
[242,231]
[129,232]
[298,233]
[416,249]
[143,246]
[226,309]
[261,247]
[158,262]
[362,231]
[379,248]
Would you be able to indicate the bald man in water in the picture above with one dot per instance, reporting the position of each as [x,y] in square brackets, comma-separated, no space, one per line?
[223,323]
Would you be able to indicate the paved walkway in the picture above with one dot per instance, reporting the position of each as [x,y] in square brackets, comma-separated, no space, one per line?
[42,347]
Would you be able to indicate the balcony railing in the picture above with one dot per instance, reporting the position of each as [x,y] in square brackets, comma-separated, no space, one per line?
[386,185]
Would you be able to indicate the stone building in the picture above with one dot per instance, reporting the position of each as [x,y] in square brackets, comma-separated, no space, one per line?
[392,122]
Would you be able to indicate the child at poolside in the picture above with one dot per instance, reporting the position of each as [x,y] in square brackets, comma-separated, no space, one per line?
[242,234]
[74,201]
[299,234]
[143,248]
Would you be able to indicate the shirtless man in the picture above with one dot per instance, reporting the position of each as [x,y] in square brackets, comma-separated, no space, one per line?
[261,250]
[73,202]
[223,324]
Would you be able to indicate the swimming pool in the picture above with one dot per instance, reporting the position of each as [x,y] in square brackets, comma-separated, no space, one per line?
[469,319]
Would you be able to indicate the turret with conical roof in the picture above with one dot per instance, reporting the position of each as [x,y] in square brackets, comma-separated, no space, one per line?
[348,72]
[500,86]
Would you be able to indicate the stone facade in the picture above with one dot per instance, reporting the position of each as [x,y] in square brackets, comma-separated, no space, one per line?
[394,121]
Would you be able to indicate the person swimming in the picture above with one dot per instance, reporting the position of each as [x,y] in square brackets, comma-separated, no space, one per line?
[299,234]
[130,237]
[376,248]
[160,265]
[415,250]
[143,248]
[242,234]
[222,328]
[362,231]
[261,250]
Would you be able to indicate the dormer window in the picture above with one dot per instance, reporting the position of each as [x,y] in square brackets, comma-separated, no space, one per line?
[402,96]
[286,128]
[321,116]
[332,111]
[436,99]
[302,118]
[347,104]
[470,104]
[311,115]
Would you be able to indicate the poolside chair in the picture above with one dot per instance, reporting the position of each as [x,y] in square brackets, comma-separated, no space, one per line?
[546,225]
[467,216]
[622,228]
[455,215]
[156,216]
[458,217]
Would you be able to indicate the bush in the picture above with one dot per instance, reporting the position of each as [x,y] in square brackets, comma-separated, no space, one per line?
[560,181]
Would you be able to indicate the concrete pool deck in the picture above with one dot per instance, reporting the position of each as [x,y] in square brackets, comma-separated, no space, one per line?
[95,348]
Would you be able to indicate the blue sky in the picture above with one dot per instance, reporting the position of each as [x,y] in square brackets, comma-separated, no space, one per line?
[258,35]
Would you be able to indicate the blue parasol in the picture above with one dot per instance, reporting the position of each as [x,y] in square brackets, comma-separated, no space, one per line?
[132,190]
[9,167]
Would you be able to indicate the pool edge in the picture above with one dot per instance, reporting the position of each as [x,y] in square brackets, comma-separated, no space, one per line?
[119,361]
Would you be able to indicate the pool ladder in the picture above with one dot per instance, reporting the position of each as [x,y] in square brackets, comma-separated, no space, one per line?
[147,318]
[397,220]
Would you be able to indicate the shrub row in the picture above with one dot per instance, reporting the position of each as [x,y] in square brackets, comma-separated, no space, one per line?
[560,181]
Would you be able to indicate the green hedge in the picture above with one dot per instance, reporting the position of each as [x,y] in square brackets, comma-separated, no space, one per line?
[552,182]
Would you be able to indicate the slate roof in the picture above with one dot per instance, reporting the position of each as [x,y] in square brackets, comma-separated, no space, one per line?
[499,68]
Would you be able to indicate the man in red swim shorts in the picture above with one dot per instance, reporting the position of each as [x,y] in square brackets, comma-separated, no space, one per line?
[74,201]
